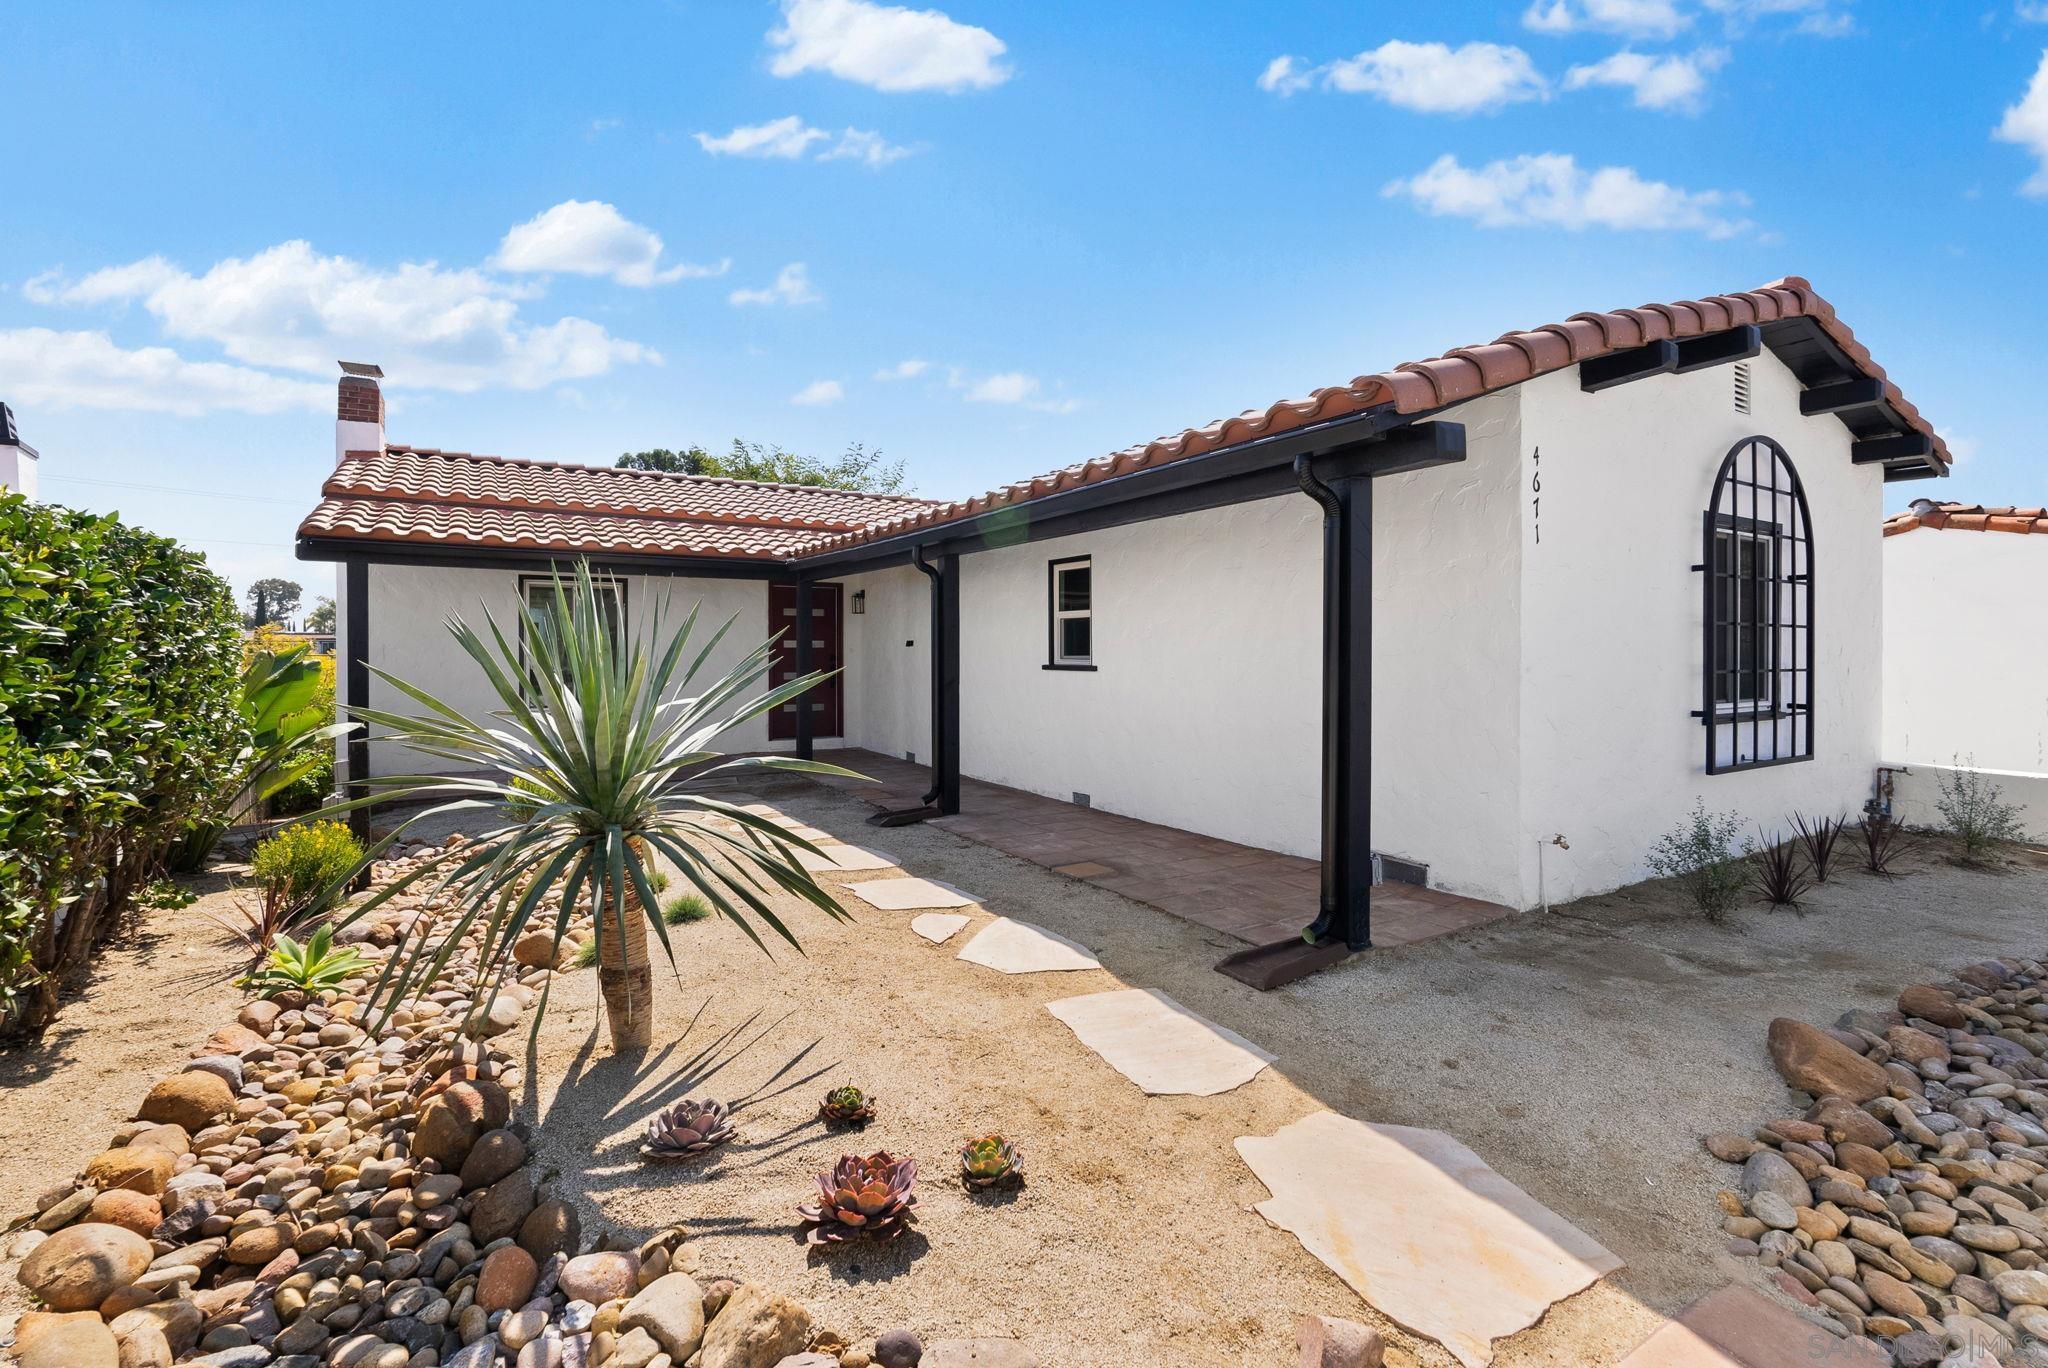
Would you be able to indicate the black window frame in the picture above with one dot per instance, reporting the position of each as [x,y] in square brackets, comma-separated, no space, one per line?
[526,582]
[1758,496]
[1053,610]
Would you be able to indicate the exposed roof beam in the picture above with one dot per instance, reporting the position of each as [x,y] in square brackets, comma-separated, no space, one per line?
[1862,392]
[1917,470]
[1619,368]
[1718,349]
[1906,446]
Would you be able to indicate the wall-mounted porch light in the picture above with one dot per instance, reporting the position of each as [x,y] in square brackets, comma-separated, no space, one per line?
[860,600]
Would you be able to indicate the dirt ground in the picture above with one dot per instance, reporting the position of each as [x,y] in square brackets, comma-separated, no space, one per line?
[1582,1054]
[154,997]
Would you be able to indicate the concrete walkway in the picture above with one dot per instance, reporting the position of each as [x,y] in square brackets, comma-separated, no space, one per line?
[1254,895]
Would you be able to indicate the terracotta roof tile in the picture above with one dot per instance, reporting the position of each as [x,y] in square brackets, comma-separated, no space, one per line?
[420,494]
[1419,386]
[1961,517]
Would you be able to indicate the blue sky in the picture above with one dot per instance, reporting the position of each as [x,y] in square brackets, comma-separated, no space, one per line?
[990,239]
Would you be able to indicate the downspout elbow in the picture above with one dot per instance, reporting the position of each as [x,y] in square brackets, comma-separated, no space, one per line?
[1305,476]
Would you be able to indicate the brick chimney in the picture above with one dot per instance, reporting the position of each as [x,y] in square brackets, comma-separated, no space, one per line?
[358,410]
[17,458]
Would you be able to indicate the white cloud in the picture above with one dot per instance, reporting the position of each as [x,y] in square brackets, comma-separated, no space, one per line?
[292,308]
[1553,190]
[87,370]
[792,286]
[1429,78]
[2026,124]
[868,148]
[1010,387]
[819,392]
[591,238]
[904,370]
[1960,447]
[1633,18]
[2031,11]
[789,137]
[885,46]
[1816,18]
[1665,83]
[1287,76]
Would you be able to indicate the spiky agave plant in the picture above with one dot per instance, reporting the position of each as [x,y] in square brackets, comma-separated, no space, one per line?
[312,967]
[862,1196]
[686,1130]
[587,766]
[989,1161]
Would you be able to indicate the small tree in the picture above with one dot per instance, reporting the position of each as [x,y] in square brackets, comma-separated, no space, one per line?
[1702,854]
[320,618]
[271,600]
[857,469]
[1971,805]
[689,461]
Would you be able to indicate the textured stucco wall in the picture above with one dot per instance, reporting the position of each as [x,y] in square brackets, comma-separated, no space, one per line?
[1611,629]
[410,604]
[1966,667]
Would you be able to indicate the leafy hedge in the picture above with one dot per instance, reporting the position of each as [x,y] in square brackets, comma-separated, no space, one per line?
[119,654]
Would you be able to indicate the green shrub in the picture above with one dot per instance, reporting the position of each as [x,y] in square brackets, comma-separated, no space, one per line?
[118,728]
[685,907]
[301,863]
[1701,853]
[1976,814]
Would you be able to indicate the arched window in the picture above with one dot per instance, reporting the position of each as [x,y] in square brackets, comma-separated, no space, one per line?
[1757,561]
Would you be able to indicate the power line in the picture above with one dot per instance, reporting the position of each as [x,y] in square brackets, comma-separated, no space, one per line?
[176,489]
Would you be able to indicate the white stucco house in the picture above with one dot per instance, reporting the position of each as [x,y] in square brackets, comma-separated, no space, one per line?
[1966,672]
[1562,583]
[18,460]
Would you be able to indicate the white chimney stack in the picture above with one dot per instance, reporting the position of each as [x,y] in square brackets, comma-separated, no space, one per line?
[358,410]
[17,459]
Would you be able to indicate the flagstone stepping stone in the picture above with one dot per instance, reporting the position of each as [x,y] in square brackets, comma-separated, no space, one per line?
[937,927]
[845,857]
[909,895]
[1018,947]
[1737,1327]
[1419,1226]
[1160,1045]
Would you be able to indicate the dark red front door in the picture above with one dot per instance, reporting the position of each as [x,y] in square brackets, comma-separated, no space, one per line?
[826,702]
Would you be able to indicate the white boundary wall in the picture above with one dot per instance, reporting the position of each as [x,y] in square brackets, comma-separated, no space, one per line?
[1967,674]
[1917,788]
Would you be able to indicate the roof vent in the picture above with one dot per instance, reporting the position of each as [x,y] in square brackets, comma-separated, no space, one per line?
[1742,386]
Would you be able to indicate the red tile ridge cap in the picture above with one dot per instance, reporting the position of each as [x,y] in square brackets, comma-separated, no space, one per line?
[1965,517]
[402,448]
[1416,387]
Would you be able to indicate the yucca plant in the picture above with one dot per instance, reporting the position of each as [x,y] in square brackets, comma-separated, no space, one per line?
[588,763]
[1884,840]
[1779,872]
[313,967]
[1819,835]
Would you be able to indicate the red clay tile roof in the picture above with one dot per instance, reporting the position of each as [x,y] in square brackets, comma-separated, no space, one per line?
[1961,517]
[424,495]
[419,494]
[1419,386]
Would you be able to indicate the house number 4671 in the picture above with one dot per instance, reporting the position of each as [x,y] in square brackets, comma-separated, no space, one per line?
[1536,493]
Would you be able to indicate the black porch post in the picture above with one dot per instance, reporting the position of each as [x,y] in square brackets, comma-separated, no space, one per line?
[356,687]
[946,686]
[1345,912]
[805,626]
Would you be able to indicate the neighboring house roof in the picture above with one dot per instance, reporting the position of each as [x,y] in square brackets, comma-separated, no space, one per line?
[1962,517]
[419,494]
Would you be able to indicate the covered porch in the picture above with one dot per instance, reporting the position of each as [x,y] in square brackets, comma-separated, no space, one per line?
[1252,895]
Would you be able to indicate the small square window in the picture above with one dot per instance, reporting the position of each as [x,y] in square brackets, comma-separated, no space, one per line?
[544,605]
[1071,632]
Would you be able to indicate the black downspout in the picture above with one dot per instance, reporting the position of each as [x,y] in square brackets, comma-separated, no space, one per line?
[943,798]
[1345,908]
[931,572]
